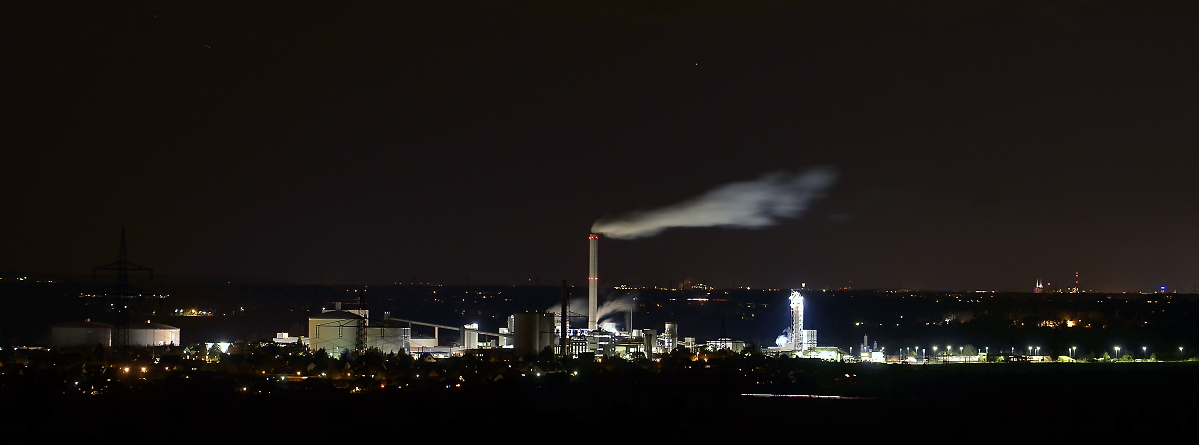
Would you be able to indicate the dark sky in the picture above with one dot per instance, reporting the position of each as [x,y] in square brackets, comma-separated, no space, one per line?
[980,145]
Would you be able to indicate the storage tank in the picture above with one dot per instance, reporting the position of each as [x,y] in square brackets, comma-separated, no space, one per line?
[533,331]
[334,331]
[649,339]
[82,333]
[671,336]
[470,336]
[390,336]
[153,334]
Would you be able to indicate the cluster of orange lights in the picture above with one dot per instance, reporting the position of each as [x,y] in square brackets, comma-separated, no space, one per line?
[592,278]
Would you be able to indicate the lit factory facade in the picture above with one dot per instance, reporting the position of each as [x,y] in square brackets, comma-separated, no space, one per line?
[340,331]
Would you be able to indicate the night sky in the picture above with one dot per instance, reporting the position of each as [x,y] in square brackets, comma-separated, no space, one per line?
[978,145]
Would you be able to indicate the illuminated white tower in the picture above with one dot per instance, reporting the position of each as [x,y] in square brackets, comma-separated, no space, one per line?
[801,339]
[796,320]
[593,283]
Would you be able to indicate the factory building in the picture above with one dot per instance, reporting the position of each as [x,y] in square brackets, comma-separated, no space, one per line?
[868,353]
[800,342]
[339,331]
[726,343]
[827,353]
[422,344]
[602,343]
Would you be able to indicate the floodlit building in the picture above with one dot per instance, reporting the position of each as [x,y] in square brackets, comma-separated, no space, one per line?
[283,338]
[670,336]
[629,347]
[726,343]
[868,353]
[422,344]
[799,339]
[828,353]
[687,343]
[469,336]
[602,343]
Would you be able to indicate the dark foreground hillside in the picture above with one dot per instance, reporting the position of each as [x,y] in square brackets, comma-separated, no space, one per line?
[1039,402]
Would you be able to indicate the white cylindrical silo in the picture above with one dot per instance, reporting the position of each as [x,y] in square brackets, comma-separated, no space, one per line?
[153,334]
[671,336]
[83,333]
[335,331]
[534,331]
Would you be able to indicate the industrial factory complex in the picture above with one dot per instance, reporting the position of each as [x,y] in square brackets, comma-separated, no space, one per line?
[424,351]
[339,331]
[560,331]
[348,329]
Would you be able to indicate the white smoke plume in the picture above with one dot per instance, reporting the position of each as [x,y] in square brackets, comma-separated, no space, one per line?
[607,310]
[783,339]
[610,308]
[750,204]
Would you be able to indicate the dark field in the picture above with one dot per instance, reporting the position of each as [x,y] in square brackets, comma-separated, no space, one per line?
[993,402]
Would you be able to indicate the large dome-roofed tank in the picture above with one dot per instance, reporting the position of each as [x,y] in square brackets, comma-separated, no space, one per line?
[152,334]
[334,331]
[81,333]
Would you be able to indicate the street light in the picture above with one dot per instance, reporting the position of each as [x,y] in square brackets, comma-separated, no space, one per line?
[1144,352]
[1117,353]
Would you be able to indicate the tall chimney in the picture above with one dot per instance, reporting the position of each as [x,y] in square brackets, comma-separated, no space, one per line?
[565,343]
[593,283]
